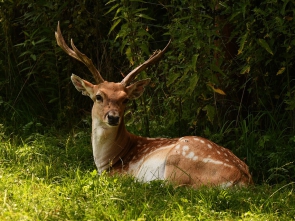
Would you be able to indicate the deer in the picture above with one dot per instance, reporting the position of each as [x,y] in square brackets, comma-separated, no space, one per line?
[187,161]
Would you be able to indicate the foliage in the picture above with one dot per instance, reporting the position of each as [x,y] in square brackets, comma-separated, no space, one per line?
[52,178]
[34,91]
[228,74]
[264,32]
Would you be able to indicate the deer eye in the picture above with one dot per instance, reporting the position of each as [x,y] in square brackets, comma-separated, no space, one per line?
[99,98]
[125,101]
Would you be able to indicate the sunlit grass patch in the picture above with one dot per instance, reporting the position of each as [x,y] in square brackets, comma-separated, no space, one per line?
[55,179]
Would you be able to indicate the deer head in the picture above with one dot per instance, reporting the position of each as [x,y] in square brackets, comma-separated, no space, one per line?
[109,98]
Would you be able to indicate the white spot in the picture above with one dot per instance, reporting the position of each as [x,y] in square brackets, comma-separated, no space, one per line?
[195,158]
[226,185]
[190,155]
[177,146]
[202,141]
[185,148]
[197,139]
[218,152]
[147,150]
[225,154]
[209,145]
[227,160]
[209,160]
[180,139]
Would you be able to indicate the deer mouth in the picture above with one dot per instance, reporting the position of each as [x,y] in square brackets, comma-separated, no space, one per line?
[113,124]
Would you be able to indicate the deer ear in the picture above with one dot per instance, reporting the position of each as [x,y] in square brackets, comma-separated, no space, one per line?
[135,90]
[83,86]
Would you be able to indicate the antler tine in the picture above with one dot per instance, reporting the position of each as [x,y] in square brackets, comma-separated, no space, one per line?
[157,55]
[75,53]
[88,62]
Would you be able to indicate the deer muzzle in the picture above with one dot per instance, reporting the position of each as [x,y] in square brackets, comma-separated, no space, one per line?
[113,118]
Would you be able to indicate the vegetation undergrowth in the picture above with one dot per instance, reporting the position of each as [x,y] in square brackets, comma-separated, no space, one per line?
[53,177]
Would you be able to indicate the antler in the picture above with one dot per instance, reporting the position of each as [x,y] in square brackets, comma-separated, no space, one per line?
[156,56]
[75,53]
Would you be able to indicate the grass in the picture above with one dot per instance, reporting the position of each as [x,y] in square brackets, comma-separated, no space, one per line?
[54,178]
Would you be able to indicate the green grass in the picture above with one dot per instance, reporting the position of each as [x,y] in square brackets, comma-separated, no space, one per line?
[54,178]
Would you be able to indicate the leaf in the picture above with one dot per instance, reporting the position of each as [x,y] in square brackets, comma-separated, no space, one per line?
[245,69]
[33,56]
[194,61]
[129,55]
[281,71]
[111,1]
[219,91]
[265,45]
[143,32]
[140,10]
[111,9]
[144,49]
[26,34]
[214,67]
[216,90]
[244,9]
[25,53]
[40,41]
[210,112]
[193,83]
[53,100]
[114,25]
[234,15]
[145,16]
[172,77]
[242,43]
[288,18]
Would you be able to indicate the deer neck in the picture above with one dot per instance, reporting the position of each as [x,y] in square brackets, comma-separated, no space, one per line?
[110,144]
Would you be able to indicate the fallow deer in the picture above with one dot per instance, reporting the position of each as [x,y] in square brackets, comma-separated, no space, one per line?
[189,160]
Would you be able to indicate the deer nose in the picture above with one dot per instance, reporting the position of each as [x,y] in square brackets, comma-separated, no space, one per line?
[113,119]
